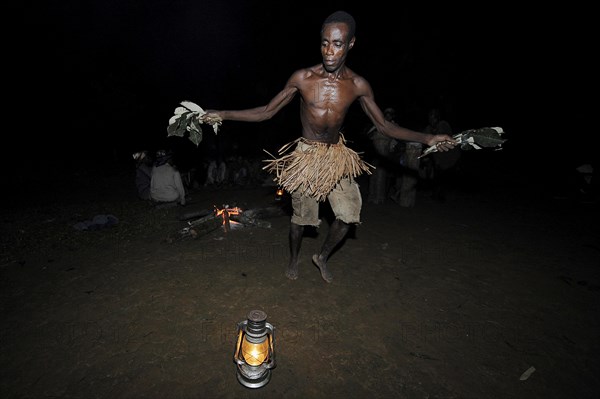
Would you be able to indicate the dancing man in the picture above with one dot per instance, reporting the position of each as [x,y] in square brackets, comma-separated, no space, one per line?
[318,166]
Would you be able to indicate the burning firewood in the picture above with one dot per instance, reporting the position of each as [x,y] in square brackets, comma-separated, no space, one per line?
[197,228]
[226,213]
[255,217]
[227,218]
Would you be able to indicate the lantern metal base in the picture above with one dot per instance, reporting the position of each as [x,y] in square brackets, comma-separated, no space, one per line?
[259,382]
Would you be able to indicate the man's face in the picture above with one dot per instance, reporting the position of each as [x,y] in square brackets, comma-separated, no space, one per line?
[335,45]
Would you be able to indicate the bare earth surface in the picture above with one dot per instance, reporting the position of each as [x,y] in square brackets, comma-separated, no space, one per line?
[443,300]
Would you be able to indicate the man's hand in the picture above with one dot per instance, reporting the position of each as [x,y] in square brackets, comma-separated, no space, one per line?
[442,142]
[211,117]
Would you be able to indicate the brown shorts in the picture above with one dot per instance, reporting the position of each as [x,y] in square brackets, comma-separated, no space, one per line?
[345,200]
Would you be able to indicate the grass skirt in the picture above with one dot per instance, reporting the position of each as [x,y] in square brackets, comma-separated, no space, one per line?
[315,168]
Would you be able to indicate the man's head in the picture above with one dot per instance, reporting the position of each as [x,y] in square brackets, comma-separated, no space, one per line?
[162,157]
[341,17]
[337,38]
[142,157]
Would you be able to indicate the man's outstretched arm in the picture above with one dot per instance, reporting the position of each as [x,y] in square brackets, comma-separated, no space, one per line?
[367,101]
[258,114]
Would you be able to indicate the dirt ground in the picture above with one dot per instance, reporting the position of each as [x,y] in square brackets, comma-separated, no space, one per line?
[454,299]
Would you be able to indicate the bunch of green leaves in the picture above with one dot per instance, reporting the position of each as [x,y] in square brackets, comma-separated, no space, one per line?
[475,138]
[478,138]
[186,121]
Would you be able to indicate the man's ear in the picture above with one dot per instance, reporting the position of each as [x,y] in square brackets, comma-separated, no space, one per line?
[352,42]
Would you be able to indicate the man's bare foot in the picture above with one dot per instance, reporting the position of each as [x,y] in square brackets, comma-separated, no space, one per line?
[292,271]
[327,276]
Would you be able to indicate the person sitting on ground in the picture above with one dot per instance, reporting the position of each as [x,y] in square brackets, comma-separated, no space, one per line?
[143,174]
[443,164]
[166,185]
[383,160]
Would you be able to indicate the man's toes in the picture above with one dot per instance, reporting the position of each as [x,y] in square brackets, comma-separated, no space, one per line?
[291,274]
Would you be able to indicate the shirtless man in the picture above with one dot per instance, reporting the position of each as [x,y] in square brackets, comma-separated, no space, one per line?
[326,92]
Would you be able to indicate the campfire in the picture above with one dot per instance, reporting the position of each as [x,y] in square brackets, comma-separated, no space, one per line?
[227,218]
[226,213]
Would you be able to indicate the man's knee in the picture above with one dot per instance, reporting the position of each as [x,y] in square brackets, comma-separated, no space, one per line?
[346,202]
[305,221]
[305,210]
[348,220]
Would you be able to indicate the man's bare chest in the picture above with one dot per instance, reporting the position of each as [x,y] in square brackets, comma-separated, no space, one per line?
[324,94]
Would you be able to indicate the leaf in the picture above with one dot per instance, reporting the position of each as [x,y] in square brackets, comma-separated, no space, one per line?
[193,107]
[194,124]
[216,127]
[181,110]
[178,128]
[186,120]
[195,131]
[475,138]
[172,128]
[527,373]
[196,137]
[484,137]
[174,119]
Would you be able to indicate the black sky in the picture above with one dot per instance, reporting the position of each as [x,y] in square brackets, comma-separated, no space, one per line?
[105,76]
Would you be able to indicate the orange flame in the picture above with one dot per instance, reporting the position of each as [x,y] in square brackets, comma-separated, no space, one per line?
[225,213]
[230,211]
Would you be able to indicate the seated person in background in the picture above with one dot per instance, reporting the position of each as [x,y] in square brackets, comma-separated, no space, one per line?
[143,174]
[166,184]
[384,162]
[216,173]
[443,164]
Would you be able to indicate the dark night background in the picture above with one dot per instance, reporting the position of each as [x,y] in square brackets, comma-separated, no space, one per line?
[446,299]
[96,80]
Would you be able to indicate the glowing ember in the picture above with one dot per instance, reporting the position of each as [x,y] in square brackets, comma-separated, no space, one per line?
[225,213]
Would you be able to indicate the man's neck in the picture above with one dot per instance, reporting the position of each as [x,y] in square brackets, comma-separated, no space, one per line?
[335,75]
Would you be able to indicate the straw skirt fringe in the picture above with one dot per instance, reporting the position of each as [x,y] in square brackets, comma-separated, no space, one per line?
[315,168]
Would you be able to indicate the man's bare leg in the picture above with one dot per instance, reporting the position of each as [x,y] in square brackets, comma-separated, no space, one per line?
[296,233]
[336,234]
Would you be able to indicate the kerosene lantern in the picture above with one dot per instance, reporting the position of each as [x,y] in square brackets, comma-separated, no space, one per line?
[278,194]
[255,350]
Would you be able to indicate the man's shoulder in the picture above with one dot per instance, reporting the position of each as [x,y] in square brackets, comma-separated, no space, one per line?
[356,79]
[307,72]
[349,73]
